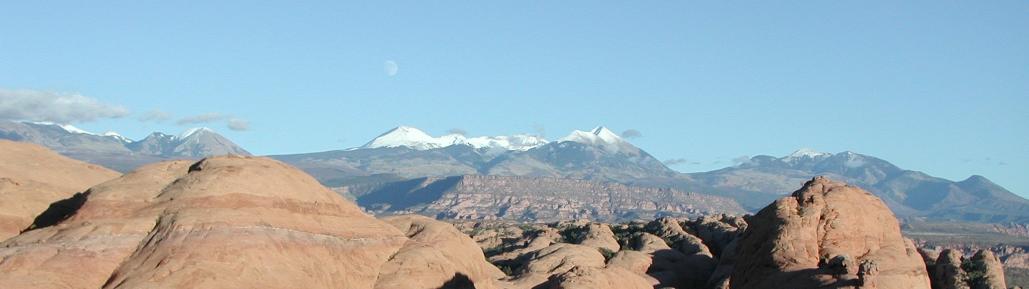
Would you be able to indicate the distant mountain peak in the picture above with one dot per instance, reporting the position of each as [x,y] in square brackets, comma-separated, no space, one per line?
[413,138]
[597,135]
[403,136]
[193,142]
[196,130]
[807,152]
[600,136]
[804,154]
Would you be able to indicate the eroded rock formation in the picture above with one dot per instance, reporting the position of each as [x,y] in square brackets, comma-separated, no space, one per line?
[827,234]
[434,253]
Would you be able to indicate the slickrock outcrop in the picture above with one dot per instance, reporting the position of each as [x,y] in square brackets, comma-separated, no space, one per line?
[562,257]
[827,235]
[223,222]
[599,278]
[531,241]
[435,253]
[559,258]
[669,229]
[32,177]
[597,236]
[985,271]
[633,261]
[673,267]
[717,231]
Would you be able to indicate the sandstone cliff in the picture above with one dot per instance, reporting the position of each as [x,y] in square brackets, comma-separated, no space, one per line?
[535,199]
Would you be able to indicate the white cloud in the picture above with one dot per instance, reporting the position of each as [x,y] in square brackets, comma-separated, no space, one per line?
[457,131]
[155,116]
[201,118]
[32,105]
[631,133]
[238,124]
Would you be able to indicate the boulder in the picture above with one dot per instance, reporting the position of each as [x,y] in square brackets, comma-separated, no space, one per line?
[532,241]
[827,234]
[599,236]
[562,257]
[434,254]
[598,278]
[717,231]
[672,267]
[559,258]
[633,261]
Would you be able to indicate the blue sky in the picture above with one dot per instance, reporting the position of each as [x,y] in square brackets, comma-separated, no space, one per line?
[936,86]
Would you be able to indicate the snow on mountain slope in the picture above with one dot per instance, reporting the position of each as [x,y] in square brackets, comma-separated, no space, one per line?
[804,153]
[404,136]
[189,132]
[66,127]
[75,130]
[599,136]
[117,136]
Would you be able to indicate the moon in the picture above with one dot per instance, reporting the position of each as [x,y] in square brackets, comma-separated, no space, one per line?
[391,67]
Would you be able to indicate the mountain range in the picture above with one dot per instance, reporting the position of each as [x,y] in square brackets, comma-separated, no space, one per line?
[117,152]
[601,155]
[907,192]
[406,154]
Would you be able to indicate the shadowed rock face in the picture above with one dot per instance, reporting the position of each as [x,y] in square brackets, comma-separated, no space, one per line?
[33,177]
[948,273]
[827,235]
[434,254]
[224,222]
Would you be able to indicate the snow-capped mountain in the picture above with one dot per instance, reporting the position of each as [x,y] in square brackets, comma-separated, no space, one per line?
[194,142]
[405,136]
[405,152]
[75,130]
[61,137]
[413,138]
[804,154]
[112,150]
[117,136]
[599,136]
